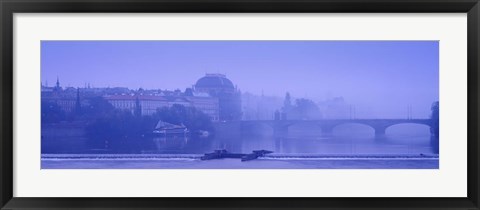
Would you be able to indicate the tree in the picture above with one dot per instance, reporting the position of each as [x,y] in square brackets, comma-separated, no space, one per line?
[287,103]
[121,129]
[435,118]
[138,108]
[305,109]
[78,105]
[435,129]
[125,132]
[178,114]
[96,107]
[51,112]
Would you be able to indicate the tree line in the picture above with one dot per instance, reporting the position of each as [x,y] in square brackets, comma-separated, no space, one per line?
[123,129]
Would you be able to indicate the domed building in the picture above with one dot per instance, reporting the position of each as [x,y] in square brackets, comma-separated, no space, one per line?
[215,83]
[229,98]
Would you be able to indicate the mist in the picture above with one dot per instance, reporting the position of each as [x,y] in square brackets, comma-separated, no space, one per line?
[374,79]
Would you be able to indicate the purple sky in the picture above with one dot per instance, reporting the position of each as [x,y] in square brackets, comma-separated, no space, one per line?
[381,75]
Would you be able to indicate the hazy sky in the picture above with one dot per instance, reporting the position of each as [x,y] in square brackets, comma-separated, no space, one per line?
[385,76]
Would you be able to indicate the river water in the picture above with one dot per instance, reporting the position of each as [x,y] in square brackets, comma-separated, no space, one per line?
[350,139]
[352,147]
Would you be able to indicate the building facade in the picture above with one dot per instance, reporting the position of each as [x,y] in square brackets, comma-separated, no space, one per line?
[213,94]
[149,104]
[229,97]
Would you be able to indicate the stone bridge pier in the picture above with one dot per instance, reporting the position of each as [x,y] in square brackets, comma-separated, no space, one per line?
[380,130]
[280,130]
[327,129]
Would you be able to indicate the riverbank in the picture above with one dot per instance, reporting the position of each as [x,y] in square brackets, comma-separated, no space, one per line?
[277,161]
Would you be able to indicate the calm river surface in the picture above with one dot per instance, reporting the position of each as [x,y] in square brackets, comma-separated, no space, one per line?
[352,148]
[350,139]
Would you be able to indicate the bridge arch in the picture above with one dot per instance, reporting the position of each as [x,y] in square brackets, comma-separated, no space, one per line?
[353,128]
[381,128]
[258,129]
[304,128]
[281,127]
[415,129]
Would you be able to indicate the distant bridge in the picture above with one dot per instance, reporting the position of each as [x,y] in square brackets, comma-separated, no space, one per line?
[280,127]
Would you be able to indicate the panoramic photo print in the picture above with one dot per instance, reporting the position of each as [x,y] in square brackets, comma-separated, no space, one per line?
[240,104]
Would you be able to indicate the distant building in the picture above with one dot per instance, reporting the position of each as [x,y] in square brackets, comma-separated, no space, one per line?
[336,108]
[229,97]
[213,95]
[259,107]
[208,105]
[150,103]
[65,100]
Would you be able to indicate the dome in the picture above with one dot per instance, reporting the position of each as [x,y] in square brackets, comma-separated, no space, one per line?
[214,81]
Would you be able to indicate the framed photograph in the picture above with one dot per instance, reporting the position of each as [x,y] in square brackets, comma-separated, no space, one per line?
[240,104]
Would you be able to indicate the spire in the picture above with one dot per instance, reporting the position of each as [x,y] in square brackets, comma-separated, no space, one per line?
[58,83]
[78,106]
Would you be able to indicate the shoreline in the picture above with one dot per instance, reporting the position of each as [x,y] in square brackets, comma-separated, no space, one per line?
[267,156]
[278,161]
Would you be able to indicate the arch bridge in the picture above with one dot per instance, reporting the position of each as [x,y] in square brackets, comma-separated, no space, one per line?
[280,127]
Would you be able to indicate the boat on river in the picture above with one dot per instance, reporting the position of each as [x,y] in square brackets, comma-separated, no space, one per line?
[168,129]
[220,154]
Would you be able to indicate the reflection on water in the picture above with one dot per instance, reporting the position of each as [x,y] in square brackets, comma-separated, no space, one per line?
[344,140]
[319,145]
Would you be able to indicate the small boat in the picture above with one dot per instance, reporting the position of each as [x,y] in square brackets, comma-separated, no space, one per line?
[164,128]
[220,154]
[216,154]
[255,154]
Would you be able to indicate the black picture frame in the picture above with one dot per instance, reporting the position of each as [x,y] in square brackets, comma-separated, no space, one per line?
[9,7]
